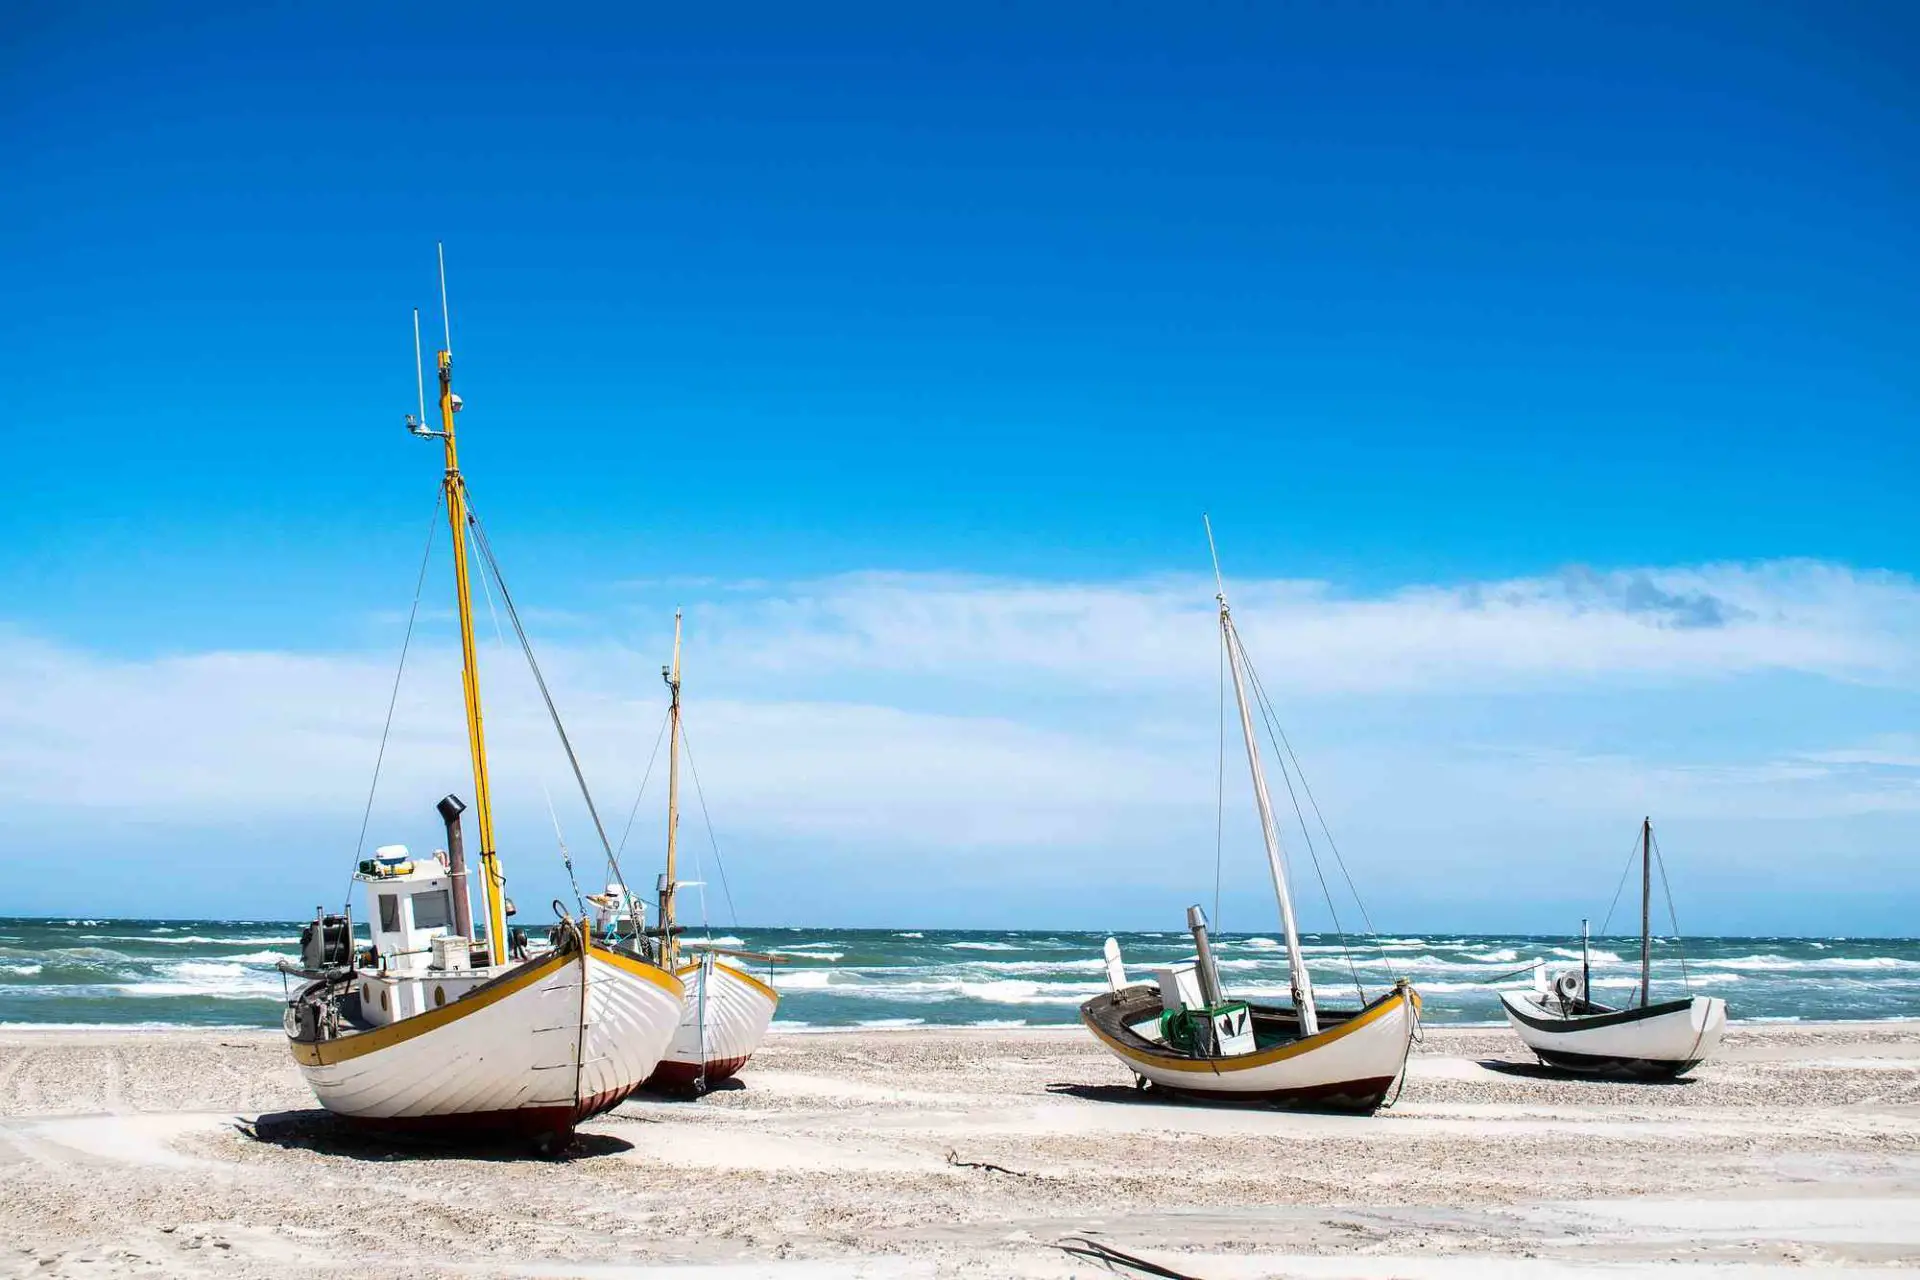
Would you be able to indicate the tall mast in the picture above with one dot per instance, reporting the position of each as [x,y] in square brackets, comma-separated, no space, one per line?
[454,488]
[1276,859]
[669,947]
[1646,909]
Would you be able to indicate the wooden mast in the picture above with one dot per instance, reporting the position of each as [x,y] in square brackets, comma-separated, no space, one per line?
[669,945]
[1646,909]
[454,488]
[1302,982]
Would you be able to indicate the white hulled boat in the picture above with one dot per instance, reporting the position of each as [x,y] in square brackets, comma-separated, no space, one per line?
[726,1011]
[1183,1033]
[1566,1029]
[437,1028]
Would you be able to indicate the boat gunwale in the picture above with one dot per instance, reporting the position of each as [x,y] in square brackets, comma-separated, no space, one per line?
[1551,1024]
[359,1043]
[1153,1055]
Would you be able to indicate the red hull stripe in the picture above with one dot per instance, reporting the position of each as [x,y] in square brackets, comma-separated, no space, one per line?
[1364,1094]
[681,1075]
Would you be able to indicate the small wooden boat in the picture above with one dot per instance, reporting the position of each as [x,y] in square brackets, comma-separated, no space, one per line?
[1568,1030]
[726,1011]
[1184,1035]
[436,1027]
[723,1021]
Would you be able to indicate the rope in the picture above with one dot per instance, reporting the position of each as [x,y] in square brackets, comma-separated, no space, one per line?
[657,738]
[559,837]
[1267,715]
[546,695]
[701,795]
[393,699]
[1620,888]
[1660,860]
[1415,1034]
[1276,731]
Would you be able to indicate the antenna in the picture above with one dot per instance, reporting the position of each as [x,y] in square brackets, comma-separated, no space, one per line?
[446,317]
[1218,582]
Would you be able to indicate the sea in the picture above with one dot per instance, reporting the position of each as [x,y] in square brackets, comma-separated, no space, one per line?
[221,973]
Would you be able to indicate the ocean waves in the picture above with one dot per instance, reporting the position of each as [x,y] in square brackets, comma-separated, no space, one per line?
[215,973]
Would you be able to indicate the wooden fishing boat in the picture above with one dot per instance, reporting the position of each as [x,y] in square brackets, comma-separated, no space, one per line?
[437,1027]
[727,1010]
[1183,1034]
[1568,1030]
[723,1021]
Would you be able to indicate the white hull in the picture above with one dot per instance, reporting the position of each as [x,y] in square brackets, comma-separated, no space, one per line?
[1352,1063]
[524,1053]
[723,1020]
[1666,1038]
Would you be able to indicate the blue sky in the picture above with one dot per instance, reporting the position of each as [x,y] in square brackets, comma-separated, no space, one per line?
[1505,345]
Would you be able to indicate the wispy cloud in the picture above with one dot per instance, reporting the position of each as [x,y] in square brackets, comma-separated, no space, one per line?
[1687,623]
[1036,732]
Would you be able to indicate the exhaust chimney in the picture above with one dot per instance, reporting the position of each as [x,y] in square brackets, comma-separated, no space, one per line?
[450,810]
[1209,974]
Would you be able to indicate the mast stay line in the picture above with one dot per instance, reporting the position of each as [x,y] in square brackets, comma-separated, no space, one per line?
[400,671]
[546,695]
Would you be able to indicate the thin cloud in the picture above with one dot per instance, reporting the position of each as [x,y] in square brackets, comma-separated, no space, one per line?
[904,726]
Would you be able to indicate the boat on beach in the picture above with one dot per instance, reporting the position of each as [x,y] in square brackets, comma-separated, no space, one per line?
[726,1011]
[438,1026]
[1182,1033]
[1568,1030]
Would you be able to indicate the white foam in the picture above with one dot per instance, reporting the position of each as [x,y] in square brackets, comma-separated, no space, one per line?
[268,958]
[194,939]
[983,946]
[802,979]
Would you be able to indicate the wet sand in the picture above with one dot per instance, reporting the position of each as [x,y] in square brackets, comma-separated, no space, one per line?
[846,1154]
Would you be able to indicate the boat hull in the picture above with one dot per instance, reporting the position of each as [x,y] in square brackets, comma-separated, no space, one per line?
[1657,1041]
[724,1019]
[529,1054]
[1349,1066]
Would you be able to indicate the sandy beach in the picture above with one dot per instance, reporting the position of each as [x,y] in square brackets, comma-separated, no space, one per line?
[848,1154]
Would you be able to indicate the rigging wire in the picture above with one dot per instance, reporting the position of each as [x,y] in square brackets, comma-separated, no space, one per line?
[393,699]
[701,794]
[559,836]
[1660,860]
[1286,776]
[546,695]
[1620,888]
[638,796]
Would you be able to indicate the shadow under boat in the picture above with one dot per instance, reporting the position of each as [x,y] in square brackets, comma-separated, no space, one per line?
[325,1133]
[1561,1075]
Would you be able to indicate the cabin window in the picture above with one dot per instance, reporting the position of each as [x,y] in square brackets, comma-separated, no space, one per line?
[439,996]
[389,913]
[433,910]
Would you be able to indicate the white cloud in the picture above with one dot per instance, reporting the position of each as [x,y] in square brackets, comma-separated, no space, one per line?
[877,725]
[1688,623]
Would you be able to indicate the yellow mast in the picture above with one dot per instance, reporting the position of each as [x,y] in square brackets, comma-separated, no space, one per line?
[455,488]
[669,945]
